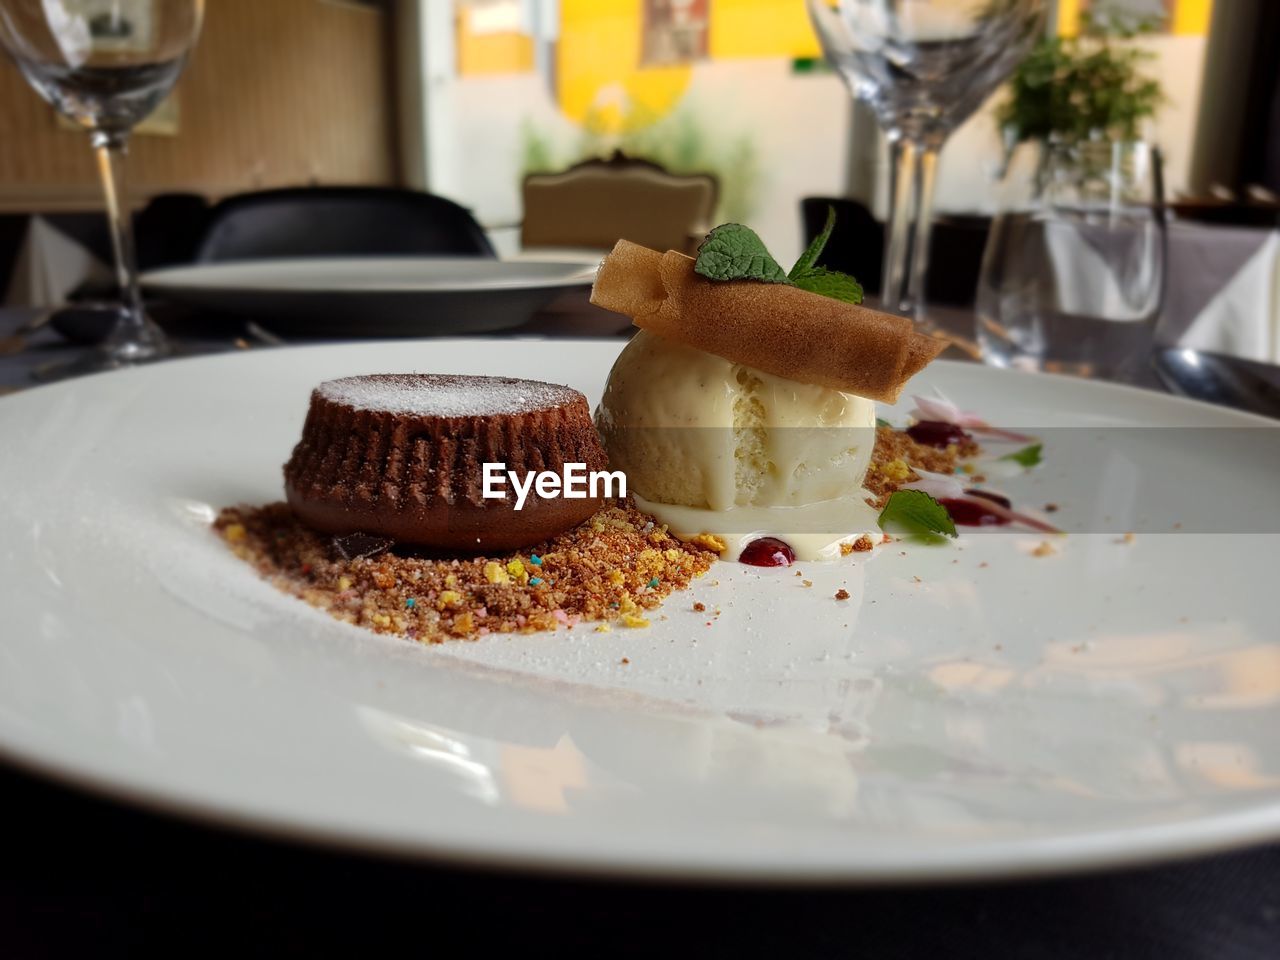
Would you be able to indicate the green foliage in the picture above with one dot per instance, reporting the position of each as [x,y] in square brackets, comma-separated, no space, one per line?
[1091,86]
[917,515]
[807,275]
[829,283]
[1027,456]
[537,155]
[734,252]
[809,259]
[682,142]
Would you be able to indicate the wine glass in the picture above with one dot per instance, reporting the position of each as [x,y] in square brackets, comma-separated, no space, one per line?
[923,66]
[106,64]
[1072,278]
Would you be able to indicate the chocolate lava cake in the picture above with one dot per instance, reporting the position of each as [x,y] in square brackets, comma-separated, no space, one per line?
[402,456]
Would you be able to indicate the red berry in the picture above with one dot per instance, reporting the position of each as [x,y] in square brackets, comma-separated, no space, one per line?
[970,514]
[936,433]
[993,497]
[767,552]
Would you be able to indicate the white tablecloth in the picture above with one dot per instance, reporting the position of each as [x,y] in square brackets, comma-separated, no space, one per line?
[49,266]
[1243,318]
[1223,283]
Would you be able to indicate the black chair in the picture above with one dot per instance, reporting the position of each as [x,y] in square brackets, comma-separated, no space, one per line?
[955,258]
[857,247]
[169,228]
[338,221]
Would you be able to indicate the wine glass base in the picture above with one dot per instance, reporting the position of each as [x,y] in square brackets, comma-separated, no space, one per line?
[103,359]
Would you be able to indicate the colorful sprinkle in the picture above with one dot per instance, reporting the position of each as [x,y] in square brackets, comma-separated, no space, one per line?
[535,559]
[534,581]
[654,582]
[411,603]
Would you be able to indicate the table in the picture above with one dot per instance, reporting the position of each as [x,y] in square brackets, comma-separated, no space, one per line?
[88,876]
[568,315]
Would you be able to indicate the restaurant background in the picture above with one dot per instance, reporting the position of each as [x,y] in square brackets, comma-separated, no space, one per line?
[463,97]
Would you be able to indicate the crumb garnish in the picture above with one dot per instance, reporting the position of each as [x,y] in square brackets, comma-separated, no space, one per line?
[896,455]
[612,568]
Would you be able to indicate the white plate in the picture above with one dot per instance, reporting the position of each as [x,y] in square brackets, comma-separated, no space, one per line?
[375,296]
[1005,714]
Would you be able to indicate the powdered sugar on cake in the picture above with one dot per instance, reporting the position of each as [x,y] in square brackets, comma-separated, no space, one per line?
[442,395]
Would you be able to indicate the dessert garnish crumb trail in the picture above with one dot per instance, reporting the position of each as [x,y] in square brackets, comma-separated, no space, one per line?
[897,455]
[611,569]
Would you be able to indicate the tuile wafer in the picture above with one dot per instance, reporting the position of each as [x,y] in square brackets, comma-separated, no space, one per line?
[772,327]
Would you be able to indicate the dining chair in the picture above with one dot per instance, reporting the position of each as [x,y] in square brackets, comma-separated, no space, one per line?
[595,203]
[339,221]
[168,230]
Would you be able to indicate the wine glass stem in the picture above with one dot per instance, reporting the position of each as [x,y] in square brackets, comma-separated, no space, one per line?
[902,164]
[133,333]
[926,171]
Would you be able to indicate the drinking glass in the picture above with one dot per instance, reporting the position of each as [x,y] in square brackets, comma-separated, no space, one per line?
[923,66]
[106,64]
[1073,274]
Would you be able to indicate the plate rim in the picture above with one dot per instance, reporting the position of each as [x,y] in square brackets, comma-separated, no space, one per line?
[1068,854]
[172,278]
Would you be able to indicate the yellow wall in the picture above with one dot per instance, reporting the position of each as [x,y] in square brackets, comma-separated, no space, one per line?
[598,76]
[598,72]
[488,53]
[1190,17]
[761,28]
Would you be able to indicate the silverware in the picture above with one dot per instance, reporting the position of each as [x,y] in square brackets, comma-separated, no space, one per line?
[1216,378]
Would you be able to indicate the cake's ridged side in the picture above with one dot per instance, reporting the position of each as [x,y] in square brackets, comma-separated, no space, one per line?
[369,458]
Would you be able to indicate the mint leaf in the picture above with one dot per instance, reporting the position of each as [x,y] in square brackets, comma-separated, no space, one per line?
[1027,456]
[809,258]
[734,252]
[829,283]
[917,514]
[807,275]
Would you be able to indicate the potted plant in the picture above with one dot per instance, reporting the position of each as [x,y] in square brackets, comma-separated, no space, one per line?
[1077,95]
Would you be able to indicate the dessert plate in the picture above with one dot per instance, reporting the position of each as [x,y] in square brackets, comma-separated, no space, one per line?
[972,710]
[375,296]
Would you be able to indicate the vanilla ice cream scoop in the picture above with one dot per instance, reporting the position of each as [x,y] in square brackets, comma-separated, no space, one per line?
[713,446]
